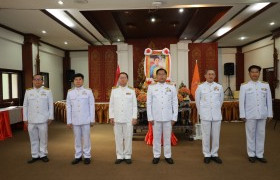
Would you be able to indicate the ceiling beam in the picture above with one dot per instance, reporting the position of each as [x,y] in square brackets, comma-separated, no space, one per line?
[78,22]
[240,11]
[246,20]
[210,24]
[65,26]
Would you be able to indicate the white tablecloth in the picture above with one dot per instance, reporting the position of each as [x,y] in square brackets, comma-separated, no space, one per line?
[15,113]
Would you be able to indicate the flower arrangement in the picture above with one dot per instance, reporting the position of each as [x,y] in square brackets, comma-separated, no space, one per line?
[142,98]
[184,91]
[180,98]
[137,92]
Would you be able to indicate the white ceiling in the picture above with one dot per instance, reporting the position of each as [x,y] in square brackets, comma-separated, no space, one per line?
[254,29]
[26,16]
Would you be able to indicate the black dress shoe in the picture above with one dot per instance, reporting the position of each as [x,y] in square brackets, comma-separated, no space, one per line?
[32,160]
[77,160]
[252,159]
[118,161]
[128,161]
[45,159]
[217,160]
[155,160]
[169,160]
[87,161]
[207,160]
[262,160]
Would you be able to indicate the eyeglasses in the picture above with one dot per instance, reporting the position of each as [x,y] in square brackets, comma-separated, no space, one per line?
[37,79]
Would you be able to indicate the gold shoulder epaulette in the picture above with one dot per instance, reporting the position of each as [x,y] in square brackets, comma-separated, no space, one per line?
[170,83]
[46,88]
[264,82]
[200,83]
[130,87]
[114,87]
[244,83]
[28,89]
[70,89]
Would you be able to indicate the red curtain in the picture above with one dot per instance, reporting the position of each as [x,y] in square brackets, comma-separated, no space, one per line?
[206,55]
[102,68]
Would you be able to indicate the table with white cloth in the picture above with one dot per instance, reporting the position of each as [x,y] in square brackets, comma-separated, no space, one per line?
[8,116]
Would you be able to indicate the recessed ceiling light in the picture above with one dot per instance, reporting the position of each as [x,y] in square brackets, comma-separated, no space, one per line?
[60,2]
[242,38]
[272,23]
[65,42]
[223,30]
[81,1]
[185,38]
[153,19]
[44,32]
[118,40]
[181,10]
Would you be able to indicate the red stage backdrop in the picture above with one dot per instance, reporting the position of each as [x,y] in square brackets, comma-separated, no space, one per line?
[206,55]
[139,45]
[102,67]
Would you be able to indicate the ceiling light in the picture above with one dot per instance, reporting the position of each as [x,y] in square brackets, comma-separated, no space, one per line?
[118,40]
[153,19]
[242,38]
[223,30]
[257,6]
[60,2]
[157,3]
[181,10]
[60,14]
[185,38]
[65,42]
[81,1]
[44,32]
[272,23]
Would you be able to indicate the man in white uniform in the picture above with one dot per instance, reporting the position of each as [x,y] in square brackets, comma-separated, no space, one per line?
[37,115]
[255,106]
[209,98]
[162,111]
[80,116]
[123,115]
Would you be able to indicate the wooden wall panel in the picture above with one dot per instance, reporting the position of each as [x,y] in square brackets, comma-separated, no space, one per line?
[206,55]
[102,68]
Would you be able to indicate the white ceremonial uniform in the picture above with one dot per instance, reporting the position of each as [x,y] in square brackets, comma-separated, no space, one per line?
[37,111]
[80,113]
[162,108]
[123,108]
[255,105]
[209,99]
